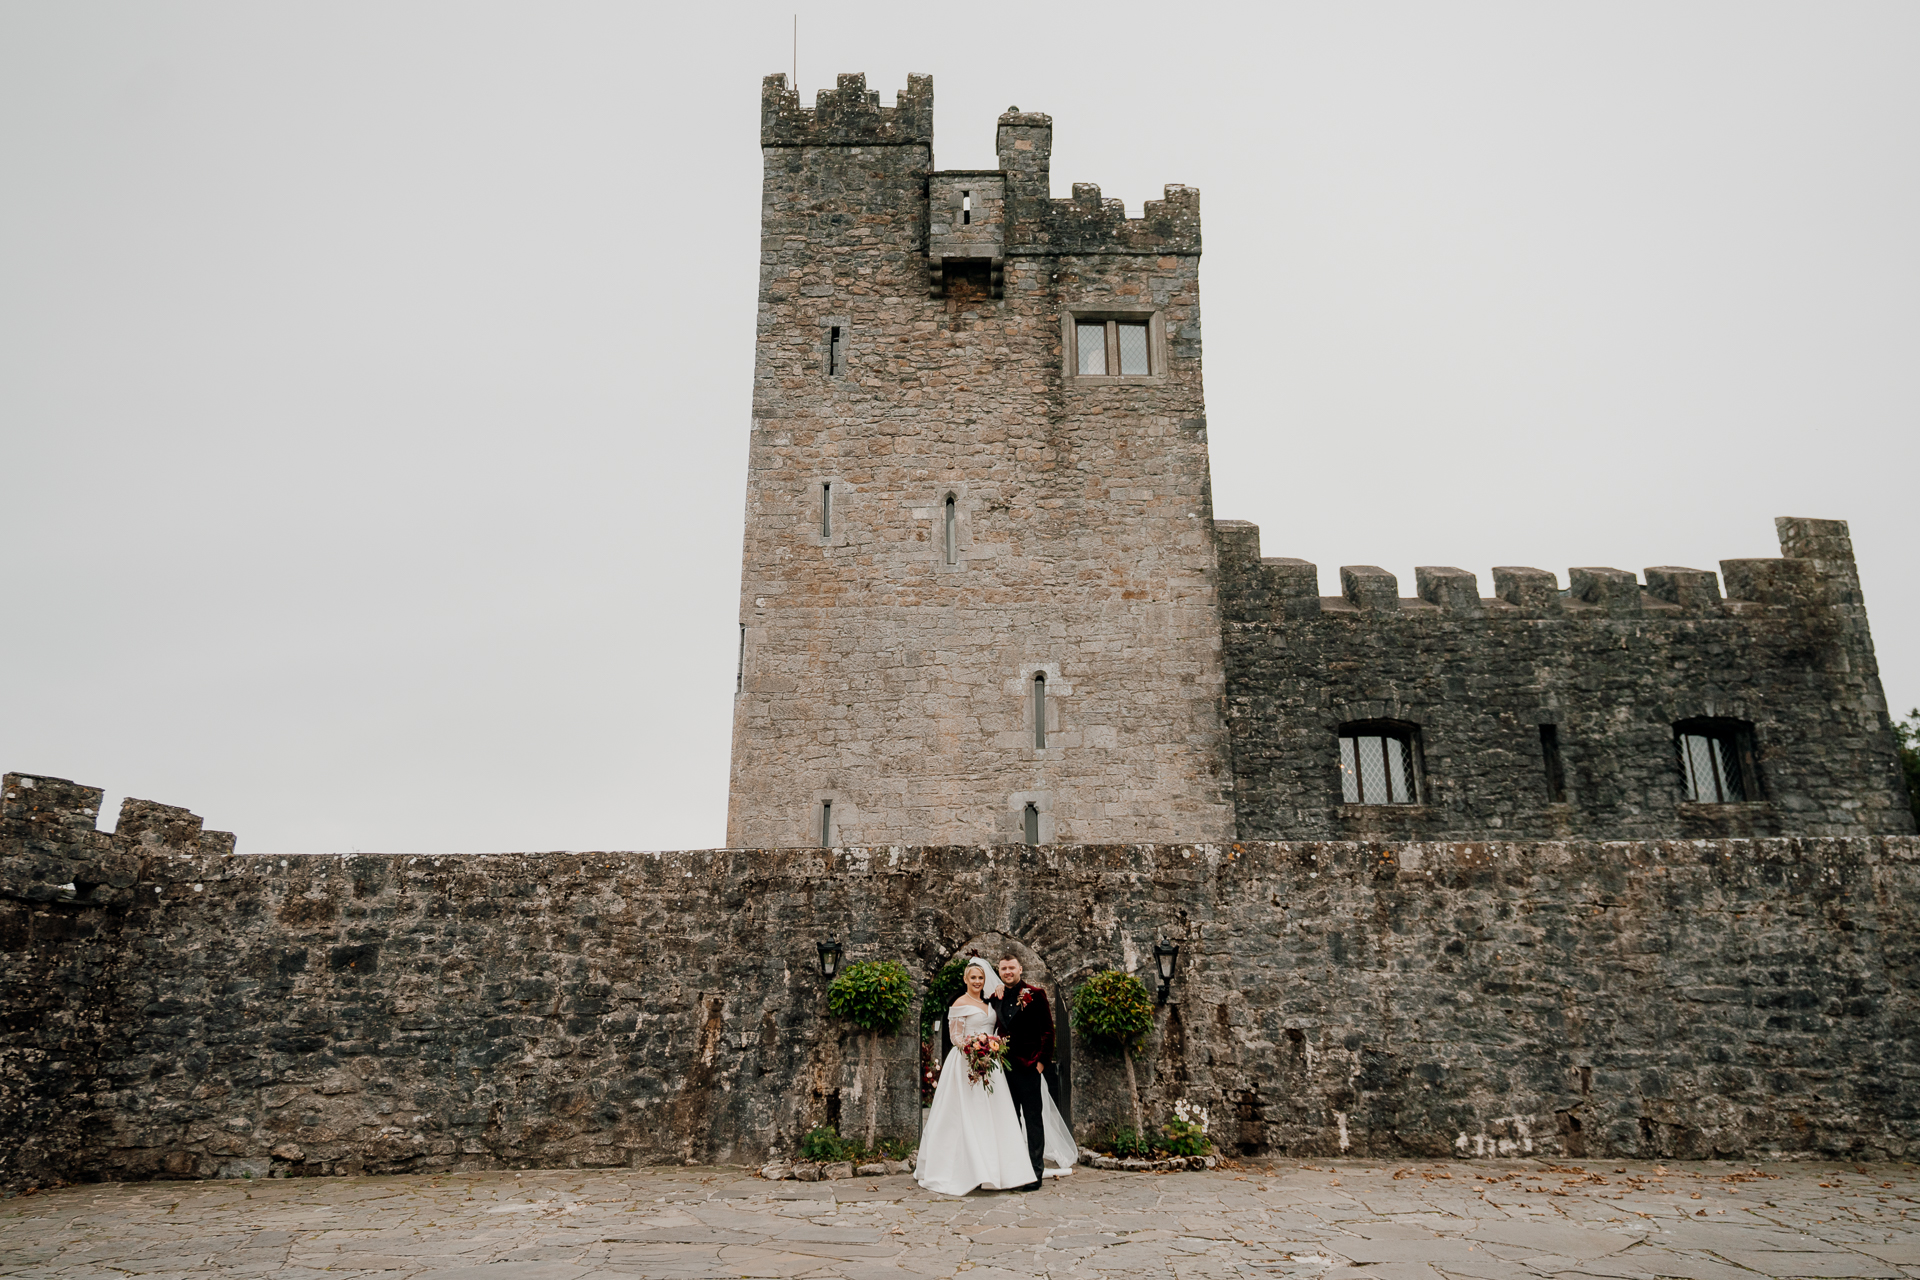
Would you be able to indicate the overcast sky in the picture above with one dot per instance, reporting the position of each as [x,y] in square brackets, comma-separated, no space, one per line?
[374,378]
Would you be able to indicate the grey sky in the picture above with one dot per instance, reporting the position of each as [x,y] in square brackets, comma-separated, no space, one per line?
[374,378]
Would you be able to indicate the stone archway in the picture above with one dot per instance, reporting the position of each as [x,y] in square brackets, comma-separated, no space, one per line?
[990,946]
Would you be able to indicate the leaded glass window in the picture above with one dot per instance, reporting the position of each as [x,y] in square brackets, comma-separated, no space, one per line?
[1377,765]
[1113,347]
[1716,765]
[1091,339]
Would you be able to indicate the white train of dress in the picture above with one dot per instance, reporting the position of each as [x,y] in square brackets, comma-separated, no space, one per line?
[973,1135]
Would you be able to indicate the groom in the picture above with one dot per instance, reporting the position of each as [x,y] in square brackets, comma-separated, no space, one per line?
[1026,1020]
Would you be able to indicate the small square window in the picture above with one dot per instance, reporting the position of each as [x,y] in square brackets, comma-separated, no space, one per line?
[1114,348]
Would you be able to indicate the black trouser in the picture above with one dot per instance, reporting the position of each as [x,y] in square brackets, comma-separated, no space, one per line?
[1024,1084]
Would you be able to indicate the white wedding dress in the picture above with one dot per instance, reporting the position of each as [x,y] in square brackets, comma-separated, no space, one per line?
[973,1135]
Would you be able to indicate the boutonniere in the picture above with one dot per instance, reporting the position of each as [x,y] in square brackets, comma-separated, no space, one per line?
[1026,998]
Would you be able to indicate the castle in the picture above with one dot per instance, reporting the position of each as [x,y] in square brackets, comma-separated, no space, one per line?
[984,598]
[1620,869]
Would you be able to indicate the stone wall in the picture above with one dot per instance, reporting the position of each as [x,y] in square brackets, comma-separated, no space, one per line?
[1610,663]
[182,1011]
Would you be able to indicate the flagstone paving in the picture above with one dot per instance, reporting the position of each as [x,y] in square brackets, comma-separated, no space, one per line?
[1340,1220]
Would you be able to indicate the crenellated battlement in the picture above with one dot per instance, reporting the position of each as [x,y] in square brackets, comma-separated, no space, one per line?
[1086,221]
[1091,223]
[70,807]
[847,115]
[1277,589]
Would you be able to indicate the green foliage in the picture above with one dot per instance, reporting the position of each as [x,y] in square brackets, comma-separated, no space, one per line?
[1185,1138]
[1127,1144]
[1178,1138]
[872,994]
[825,1146]
[1112,1010]
[1907,734]
[946,986]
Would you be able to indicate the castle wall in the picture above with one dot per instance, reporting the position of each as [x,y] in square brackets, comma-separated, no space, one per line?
[221,1015]
[882,672]
[1611,664]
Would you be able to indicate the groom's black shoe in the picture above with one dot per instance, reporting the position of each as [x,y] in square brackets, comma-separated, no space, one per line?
[1031,1186]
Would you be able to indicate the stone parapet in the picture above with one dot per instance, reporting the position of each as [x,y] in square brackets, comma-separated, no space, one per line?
[847,115]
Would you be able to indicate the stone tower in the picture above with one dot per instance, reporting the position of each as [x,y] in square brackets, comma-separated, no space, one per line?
[978,597]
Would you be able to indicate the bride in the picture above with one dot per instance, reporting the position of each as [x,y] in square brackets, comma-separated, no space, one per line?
[973,1135]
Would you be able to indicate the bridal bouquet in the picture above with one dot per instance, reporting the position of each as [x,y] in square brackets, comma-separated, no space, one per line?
[983,1054]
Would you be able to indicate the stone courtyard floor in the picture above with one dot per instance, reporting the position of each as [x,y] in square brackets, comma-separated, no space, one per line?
[1339,1220]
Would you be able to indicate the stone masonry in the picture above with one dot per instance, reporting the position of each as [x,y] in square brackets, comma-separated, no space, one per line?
[177,1010]
[1611,665]
[951,522]
[913,347]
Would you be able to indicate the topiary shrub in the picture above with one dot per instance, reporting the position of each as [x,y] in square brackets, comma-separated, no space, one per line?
[872,994]
[1113,1011]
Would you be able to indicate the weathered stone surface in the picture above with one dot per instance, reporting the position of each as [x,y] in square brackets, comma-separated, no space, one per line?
[882,672]
[1609,666]
[370,1013]
[1340,1219]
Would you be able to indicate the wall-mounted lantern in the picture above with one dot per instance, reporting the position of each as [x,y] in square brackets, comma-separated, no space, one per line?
[1165,956]
[829,959]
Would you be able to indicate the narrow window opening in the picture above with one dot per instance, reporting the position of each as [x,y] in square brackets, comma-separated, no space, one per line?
[1040,709]
[953,541]
[1377,763]
[966,208]
[1031,821]
[826,510]
[826,824]
[834,355]
[740,663]
[1133,346]
[1556,772]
